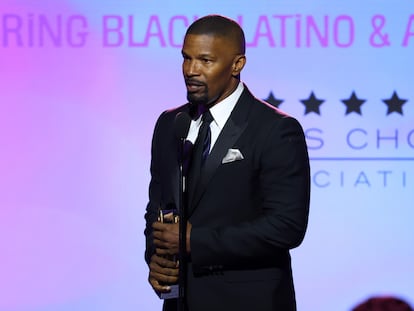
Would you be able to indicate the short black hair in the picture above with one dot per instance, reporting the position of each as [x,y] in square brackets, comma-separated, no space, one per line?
[221,26]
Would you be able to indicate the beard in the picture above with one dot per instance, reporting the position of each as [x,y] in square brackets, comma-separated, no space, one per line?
[198,103]
[198,98]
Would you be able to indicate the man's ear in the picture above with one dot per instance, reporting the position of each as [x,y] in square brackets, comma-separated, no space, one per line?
[238,64]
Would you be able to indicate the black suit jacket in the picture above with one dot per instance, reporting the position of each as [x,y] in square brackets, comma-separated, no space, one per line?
[246,214]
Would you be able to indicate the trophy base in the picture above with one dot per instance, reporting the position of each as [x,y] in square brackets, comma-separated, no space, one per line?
[174,293]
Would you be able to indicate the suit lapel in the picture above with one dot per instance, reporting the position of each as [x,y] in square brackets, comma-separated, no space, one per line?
[231,131]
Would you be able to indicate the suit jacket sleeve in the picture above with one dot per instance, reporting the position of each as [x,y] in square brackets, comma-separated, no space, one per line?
[154,203]
[284,188]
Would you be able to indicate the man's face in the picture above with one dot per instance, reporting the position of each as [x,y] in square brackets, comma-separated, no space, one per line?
[208,68]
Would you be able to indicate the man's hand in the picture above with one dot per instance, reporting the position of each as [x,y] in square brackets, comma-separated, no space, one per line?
[167,238]
[163,272]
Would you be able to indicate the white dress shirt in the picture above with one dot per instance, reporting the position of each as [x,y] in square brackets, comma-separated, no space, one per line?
[220,112]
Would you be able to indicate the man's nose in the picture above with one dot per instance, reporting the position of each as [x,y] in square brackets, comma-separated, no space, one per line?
[191,68]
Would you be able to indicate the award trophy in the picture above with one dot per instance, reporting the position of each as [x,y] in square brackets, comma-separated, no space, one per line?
[169,216]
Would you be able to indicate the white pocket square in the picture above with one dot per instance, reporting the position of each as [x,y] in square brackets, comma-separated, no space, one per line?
[232,155]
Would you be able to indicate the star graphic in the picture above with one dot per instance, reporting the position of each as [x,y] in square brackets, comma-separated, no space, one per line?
[312,104]
[353,104]
[394,104]
[271,99]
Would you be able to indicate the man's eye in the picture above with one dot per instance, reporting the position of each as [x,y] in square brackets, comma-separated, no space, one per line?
[206,60]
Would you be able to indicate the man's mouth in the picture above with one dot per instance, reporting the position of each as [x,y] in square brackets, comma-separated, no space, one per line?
[194,86]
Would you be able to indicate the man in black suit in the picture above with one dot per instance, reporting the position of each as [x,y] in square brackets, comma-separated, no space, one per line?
[249,204]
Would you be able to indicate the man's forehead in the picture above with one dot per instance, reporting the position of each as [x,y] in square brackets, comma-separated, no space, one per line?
[208,37]
[206,41]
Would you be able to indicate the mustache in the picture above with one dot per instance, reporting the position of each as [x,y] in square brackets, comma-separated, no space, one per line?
[196,82]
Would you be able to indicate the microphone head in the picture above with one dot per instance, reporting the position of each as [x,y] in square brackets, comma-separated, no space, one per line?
[182,125]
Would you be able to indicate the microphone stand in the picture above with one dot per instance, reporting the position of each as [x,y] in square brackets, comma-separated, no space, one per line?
[182,212]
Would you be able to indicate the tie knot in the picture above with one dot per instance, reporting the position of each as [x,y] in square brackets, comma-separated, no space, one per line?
[207,117]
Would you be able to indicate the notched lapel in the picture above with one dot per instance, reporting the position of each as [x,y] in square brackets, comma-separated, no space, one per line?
[228,136]
[232,130]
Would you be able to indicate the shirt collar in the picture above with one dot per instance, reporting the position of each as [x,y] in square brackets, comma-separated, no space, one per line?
[222,110]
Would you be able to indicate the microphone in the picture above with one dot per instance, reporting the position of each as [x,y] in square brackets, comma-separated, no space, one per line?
[181,126]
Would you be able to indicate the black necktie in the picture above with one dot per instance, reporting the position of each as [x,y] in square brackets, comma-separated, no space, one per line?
[203,142]
[201,149]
